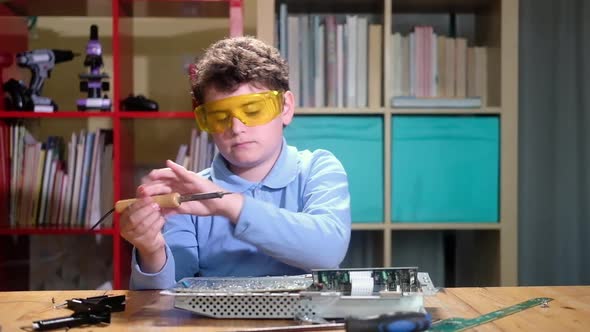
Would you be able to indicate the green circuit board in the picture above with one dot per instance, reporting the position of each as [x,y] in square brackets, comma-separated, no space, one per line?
[404,279]
[460,324]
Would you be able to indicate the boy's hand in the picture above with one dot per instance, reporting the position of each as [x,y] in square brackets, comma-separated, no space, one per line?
[178,179]
[141,225]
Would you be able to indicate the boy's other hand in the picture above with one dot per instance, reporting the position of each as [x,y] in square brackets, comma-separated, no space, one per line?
[178,179]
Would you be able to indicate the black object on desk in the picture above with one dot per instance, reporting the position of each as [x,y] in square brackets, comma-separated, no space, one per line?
[88,311]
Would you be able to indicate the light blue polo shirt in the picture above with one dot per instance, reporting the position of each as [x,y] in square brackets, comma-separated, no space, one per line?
[295,220]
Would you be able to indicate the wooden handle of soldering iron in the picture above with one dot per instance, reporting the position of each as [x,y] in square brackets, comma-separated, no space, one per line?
[165,201]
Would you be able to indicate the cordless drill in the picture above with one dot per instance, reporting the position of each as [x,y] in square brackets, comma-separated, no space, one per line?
[41,62]
[92,82]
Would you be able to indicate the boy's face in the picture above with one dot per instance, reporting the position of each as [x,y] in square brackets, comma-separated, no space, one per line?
[248,147]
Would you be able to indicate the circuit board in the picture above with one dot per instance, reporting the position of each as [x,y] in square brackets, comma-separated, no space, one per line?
[460,324]
[401,279]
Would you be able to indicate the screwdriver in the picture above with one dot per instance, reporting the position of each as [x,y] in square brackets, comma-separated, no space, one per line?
[172,200]
[398,322]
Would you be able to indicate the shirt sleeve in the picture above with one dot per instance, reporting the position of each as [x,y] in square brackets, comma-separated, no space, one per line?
[160,280]
[182,256]
[318,236]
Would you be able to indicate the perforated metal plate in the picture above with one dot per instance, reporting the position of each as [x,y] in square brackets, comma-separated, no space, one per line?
[290,305]
[268,305]
[303,305]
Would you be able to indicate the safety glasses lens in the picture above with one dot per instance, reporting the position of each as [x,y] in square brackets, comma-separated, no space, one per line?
[252,109]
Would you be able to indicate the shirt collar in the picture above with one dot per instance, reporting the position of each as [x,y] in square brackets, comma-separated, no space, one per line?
[282,173]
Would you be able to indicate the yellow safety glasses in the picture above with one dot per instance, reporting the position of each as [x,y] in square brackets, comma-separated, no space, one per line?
[252,109]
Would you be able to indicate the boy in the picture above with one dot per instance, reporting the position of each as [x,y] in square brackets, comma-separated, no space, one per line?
[289,211]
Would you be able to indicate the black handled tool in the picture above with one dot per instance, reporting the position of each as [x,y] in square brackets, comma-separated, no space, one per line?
[88,311]
[398,322]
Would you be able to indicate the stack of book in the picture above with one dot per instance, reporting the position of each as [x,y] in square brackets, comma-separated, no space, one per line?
[45,189]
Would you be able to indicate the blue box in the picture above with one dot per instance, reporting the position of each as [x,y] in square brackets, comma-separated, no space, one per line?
[445,168]
[357,141]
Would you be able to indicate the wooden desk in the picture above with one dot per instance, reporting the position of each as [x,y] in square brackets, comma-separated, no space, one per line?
[148,311]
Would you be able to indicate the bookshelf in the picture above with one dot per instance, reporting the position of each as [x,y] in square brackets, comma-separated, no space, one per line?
[146,47]
[146,43]
[480,251]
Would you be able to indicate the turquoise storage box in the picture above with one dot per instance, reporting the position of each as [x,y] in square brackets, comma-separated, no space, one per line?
[445,168]
[357,141]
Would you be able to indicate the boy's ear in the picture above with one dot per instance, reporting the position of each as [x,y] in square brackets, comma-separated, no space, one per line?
[288,107]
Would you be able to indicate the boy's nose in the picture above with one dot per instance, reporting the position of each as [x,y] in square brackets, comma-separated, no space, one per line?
[237,126]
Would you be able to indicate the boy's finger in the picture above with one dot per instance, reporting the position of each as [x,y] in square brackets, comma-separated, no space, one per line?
[180,171]
[147,180]
[159,174]
[140,192]
[139,205]
[160,188]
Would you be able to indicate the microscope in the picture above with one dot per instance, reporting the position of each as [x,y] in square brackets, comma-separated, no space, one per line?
[41,62]
[92,82]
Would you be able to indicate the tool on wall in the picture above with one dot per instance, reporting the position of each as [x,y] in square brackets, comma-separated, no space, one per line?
[166,201]
[88,311]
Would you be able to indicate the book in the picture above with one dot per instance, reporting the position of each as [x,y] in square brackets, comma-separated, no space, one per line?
[38,185]
[362,71]
[77,180]
[92,212]
[397,58]
[350,58]
[50,147]
[413,102]
[331,76]
[305,71]
[293,57]
[106,197]
[460,67]
[283,46]
[340,78]
[375,69]
[85,173]
[320,62]
[72,149]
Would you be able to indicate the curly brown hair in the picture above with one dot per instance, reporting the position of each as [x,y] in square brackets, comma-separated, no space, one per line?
[231,62]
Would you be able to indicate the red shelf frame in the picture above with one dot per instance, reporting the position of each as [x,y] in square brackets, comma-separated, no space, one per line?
[122,167]
[55,231]
[56,115]
[78,115]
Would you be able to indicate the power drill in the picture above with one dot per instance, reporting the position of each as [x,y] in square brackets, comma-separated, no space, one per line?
[92,82]
[41,62]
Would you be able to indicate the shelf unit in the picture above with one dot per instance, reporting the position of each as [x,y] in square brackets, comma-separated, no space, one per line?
[128,31]
[145,40]
[497,26]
